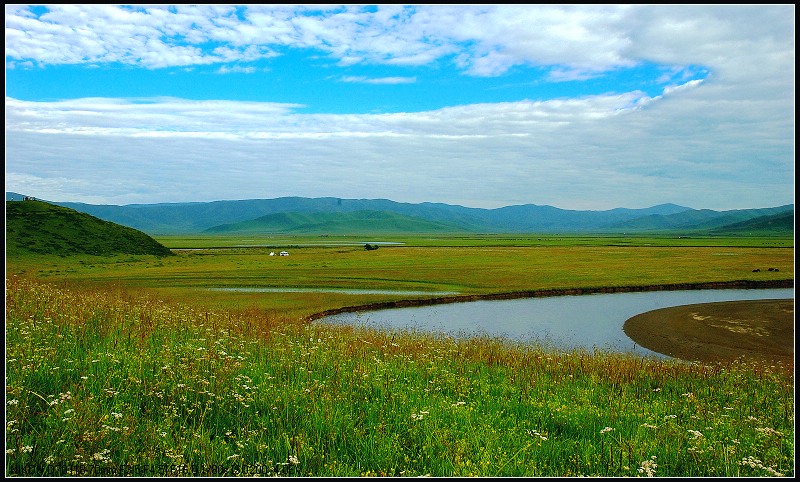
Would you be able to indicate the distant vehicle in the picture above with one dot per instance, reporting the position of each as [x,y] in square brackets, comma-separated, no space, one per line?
[284,253]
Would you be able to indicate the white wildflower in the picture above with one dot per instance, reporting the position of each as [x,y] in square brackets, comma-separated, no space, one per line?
[696,435]
[648,467]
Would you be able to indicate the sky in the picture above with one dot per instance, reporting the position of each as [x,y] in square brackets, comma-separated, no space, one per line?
[586,107]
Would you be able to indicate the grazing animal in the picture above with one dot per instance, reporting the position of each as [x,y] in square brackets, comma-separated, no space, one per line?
[756,270]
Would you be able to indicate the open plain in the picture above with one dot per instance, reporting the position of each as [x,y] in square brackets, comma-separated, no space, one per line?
[138,362]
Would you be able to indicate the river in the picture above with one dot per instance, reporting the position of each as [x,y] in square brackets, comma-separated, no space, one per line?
[564,322]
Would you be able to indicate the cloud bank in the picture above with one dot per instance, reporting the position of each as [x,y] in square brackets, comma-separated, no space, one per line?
[725,142]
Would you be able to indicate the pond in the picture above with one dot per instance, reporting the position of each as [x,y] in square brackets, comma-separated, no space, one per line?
[564,322]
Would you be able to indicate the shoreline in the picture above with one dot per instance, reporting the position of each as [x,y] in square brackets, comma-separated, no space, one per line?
[546,292]
[751,330]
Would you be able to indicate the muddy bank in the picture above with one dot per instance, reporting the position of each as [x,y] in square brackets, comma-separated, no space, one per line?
[741,284]
[756,330]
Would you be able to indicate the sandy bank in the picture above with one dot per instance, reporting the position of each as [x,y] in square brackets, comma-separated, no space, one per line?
[757,330]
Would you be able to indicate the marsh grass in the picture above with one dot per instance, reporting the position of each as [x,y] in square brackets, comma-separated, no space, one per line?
[468,270]
[115,382]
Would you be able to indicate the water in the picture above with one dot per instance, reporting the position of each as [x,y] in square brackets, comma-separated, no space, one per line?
[567,322]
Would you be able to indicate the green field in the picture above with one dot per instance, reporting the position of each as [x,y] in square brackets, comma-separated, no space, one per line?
[468,265]
[130,362]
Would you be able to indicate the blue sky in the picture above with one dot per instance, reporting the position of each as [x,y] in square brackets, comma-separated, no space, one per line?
[579,107]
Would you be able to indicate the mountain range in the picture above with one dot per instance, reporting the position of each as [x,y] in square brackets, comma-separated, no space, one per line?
[327,215]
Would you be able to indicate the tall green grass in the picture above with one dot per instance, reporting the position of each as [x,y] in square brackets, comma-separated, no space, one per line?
[110,382]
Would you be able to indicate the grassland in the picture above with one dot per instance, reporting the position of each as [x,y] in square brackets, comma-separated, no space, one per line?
[129,363]
[469,266]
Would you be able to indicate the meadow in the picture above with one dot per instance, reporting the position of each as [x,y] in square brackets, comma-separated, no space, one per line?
[129,365]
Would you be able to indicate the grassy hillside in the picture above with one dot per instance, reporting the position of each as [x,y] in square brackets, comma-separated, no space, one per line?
[336,223]
[706,220]
[782,223]
[42,228]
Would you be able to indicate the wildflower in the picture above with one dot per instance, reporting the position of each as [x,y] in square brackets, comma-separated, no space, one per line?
[10,451]
[648,467]
[26,449]
[101,456]
[606,430]
[766,431]
[534,433]
[233,456]
[294,460]
[696,434]
[647,425]
[13,401]
[757,464]
[116,414]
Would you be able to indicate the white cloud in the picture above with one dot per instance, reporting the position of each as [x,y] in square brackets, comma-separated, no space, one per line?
[486,40]
[726,142]
[379,80]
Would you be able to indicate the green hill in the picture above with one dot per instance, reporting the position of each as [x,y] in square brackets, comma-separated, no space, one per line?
[781,223]
[706,220]
[43,228]
[356,222]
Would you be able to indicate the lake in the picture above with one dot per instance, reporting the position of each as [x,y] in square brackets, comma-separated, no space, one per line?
[565,322]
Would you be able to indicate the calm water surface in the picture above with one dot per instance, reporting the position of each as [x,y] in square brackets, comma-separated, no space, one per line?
[566,322]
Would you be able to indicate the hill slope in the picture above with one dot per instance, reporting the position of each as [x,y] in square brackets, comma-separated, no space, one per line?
[704,219]
[186,218]
[197,217]
[781,223]
[43,228]
[357,222]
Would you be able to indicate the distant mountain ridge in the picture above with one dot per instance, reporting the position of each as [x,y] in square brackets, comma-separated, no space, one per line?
[329,215]
[356,222]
